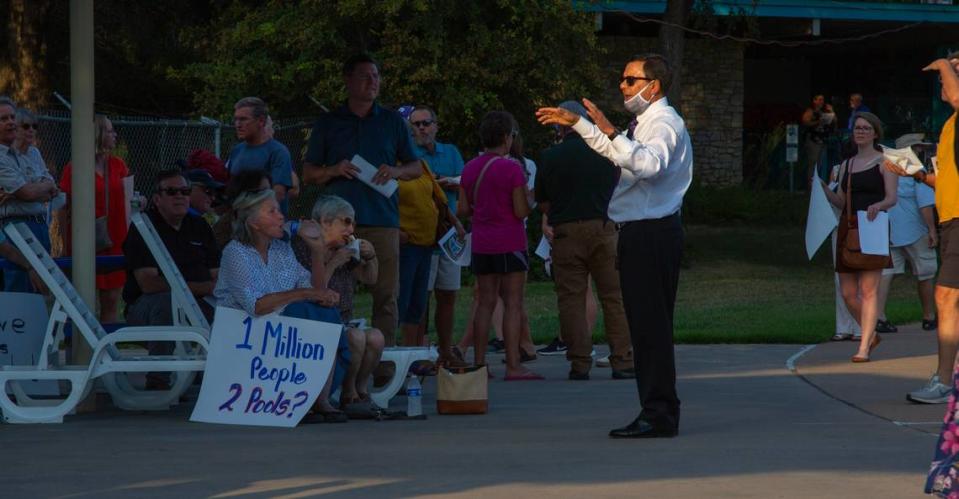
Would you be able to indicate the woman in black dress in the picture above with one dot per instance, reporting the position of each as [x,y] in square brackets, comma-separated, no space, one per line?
[873,190]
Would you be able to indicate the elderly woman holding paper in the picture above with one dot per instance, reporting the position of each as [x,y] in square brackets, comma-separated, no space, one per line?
[864,186]
[422,205]
[260,275]
[347,260]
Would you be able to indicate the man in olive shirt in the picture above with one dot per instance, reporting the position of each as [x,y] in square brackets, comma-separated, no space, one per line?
[573,188]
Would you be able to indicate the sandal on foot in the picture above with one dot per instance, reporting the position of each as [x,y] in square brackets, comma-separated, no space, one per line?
[872,346]
[361,410]
[317,417]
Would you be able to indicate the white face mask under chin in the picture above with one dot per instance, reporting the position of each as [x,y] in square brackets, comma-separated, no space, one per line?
[637,104]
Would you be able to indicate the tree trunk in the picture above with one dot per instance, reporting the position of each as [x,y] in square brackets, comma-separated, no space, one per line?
[672,43]
[26,77]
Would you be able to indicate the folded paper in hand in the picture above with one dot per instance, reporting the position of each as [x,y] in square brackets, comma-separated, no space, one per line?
[367,172]
[905,158]
[454,249]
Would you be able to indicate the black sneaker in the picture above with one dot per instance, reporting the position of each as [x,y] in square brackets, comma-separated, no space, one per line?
[557,347]
[885,327]
[930,325]
[497,346]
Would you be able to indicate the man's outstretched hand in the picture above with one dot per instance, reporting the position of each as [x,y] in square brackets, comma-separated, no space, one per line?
[599,118]
[556,116]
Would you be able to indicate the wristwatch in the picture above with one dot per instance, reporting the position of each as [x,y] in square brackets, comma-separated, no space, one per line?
[920,176]
[613,135]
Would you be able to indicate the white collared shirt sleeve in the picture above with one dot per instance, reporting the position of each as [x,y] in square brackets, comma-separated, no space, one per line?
[644,159]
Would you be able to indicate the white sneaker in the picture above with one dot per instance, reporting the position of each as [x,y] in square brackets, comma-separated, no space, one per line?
[602,361]
[933,393]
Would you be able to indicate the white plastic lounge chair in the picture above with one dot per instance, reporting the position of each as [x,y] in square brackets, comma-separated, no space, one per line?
[107,360]
[403,357]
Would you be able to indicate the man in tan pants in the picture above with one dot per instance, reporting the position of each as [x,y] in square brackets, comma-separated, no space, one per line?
[378,135]
[573,187]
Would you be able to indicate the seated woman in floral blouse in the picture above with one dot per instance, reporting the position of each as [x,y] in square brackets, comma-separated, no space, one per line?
[260,275]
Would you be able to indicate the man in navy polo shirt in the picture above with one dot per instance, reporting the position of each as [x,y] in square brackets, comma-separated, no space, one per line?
[379,135]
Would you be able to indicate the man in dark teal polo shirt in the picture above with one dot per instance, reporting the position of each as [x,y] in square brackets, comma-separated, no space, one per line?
[379,135]
[573,187]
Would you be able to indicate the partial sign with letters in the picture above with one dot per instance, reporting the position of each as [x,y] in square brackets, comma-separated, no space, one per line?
[23,322]
[264,371]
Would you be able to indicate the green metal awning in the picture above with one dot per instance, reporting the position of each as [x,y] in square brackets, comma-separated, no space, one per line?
[803,9]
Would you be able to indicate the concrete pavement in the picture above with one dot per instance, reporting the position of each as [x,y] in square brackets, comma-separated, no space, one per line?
[750,428]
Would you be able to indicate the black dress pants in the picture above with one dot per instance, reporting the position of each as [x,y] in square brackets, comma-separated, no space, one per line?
[649,254]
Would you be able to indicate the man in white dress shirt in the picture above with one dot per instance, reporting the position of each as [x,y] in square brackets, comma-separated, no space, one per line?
[656,161]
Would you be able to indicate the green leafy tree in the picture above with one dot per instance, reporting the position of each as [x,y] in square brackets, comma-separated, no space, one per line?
[462,58]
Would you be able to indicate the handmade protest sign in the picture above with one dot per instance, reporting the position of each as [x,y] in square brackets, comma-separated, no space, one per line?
[23,322]
[264,371]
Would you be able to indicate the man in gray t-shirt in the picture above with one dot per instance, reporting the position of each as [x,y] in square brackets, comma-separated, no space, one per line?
[257,150]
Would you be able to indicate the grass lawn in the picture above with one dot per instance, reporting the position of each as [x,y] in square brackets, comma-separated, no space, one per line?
[738,285]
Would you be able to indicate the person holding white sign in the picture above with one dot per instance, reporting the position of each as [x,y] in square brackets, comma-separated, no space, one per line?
[260,275]
[872,189]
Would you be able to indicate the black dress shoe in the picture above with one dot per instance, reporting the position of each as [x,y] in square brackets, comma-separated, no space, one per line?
[624,373]
[578,376]
[642,429]
[885,327]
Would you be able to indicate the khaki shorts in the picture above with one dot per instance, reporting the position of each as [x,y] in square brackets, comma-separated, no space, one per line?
[444,274]
[949,251]
[919,254]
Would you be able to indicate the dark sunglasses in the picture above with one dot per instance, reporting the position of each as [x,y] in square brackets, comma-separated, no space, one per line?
[422,123]
[631,80]
[27,126]
[173,191]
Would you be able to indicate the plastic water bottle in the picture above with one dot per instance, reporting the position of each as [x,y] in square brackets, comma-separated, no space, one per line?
[305,230]
[414,396]
[291,227]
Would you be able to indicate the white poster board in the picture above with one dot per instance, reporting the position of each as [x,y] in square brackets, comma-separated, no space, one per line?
[23,322]
[874,235]
[820,220]
[264,371]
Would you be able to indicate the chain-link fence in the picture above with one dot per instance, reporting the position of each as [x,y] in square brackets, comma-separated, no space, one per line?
[149,145]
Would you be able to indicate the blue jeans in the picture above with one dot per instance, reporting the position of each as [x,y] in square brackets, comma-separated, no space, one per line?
[312,311]
[414,280]
[18,281]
